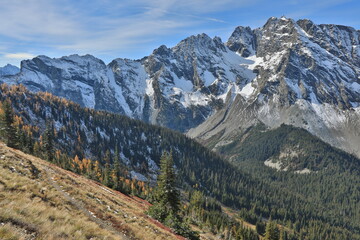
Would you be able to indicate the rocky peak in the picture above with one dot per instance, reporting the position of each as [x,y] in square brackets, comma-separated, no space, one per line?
[199,45]
[162,51]
[83,60]
[276,35]
[242,41]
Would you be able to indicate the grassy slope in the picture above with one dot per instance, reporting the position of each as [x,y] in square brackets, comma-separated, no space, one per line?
[41,201]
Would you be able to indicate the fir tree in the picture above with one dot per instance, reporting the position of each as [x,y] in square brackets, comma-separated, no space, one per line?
[167,197]
[107,181]
[166,206]
[116,170]
[48,141]
[271,232]
[8,131]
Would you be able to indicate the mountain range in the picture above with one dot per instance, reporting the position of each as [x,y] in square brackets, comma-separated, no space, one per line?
[274,104]
[293,72]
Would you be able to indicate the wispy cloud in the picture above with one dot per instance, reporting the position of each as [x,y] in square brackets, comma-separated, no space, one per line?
[113,28]
[33,19]
[103,25]
[19,55]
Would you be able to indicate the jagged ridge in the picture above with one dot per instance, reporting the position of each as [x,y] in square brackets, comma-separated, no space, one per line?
[293,72]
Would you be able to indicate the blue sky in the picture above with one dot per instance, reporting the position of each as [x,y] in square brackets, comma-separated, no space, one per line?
[109,29]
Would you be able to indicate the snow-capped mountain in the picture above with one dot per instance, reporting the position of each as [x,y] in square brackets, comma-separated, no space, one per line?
[9,69]
[176,87]
[287,71]
[307,76]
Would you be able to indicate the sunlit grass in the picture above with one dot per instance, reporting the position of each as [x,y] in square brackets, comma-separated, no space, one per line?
[31,206]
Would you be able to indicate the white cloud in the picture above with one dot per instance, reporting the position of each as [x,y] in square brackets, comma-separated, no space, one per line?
[199,6]
[19,56]
[103,24]
[35,19]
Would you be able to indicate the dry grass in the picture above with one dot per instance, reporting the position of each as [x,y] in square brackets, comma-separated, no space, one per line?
[52,203]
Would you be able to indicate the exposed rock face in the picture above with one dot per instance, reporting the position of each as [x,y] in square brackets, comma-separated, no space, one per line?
[307,76]
[289,72]
[243,41]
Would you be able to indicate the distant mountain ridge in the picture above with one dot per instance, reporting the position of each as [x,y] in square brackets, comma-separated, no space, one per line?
[293,72]
[9,69]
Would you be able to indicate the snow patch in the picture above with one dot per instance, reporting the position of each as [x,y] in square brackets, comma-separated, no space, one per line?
[208,78]
[275,165]
[304,171]
[247,91]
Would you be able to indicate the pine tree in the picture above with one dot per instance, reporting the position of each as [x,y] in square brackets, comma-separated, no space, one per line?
[48,141]
[166,207]
[106,179]
[115,175]
[271,232]
[8,131]
[167,197]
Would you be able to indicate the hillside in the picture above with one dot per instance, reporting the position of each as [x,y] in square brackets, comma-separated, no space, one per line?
[286,148]
[291,158]
[114,142]
[42,201]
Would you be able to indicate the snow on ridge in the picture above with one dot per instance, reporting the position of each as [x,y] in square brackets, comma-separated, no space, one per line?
[133,80]
[195,98]
[118,91]
[183,84]
[87,94]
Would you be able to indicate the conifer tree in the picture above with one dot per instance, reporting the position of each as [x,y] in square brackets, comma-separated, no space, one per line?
[106,179]
[48,141]
[8,131]
[271,232]
[167,197]
[166,207]
[115,175]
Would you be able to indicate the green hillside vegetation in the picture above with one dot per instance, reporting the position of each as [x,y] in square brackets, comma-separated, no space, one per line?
[108,168]
[299,148]
[332,185]
[90,142]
